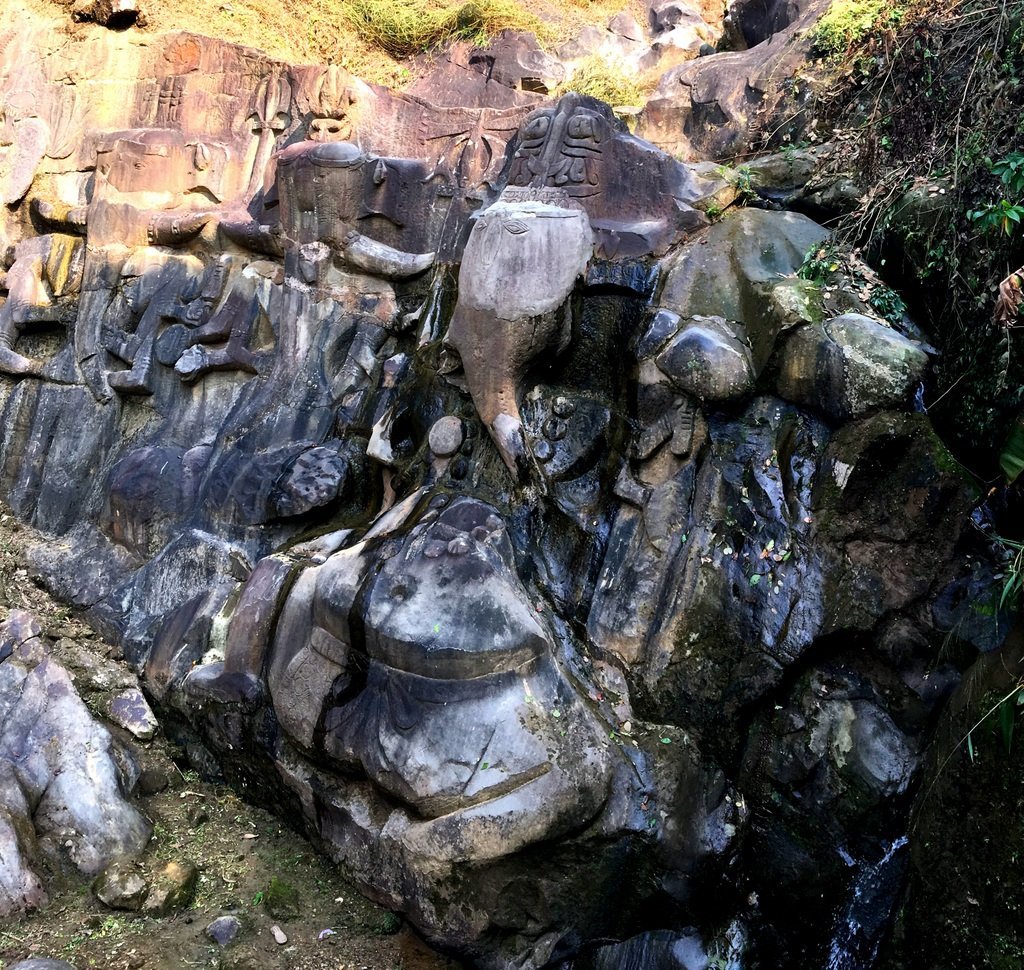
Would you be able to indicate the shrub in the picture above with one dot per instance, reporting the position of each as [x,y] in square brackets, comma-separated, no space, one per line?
[848,22]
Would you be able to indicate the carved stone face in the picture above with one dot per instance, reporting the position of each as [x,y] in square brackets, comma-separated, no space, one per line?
[334,102]
[562,148]
[330,129]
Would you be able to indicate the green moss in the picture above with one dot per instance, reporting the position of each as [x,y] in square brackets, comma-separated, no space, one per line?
[281,899]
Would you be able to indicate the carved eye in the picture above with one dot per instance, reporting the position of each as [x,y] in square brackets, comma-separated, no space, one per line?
[516,227]
[583,126]
[537,128]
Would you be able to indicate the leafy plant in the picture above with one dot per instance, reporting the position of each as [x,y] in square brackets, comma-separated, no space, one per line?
[820,263]
[1013,578]
[1011,458]
[1010,171]
[1004,215]
[1001,215]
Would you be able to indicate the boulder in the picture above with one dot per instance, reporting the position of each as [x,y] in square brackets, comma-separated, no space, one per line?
[850,365]
[42,963]
[710,359]
[744,269]
[171,888]
[725,106]
[63,761]
[130,710]
[121,886]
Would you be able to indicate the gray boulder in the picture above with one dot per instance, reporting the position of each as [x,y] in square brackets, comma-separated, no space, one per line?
[743,269]
[850,365]
[709,359]
[42,963]
[60,786]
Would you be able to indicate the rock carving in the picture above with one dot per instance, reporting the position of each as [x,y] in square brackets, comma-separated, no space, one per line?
[456,485]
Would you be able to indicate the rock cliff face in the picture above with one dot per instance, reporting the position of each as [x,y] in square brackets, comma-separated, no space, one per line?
[552,555]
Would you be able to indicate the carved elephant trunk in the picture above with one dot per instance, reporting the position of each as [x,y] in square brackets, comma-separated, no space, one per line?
[519,269]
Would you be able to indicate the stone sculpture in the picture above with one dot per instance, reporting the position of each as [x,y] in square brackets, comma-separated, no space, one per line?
[458,488]
[520,266]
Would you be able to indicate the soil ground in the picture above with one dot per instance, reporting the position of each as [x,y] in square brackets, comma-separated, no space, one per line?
[238,849]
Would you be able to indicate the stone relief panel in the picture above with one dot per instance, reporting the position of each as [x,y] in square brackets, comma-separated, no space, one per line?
[435,468]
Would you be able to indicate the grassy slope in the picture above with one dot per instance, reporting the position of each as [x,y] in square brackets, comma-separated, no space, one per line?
[328,32]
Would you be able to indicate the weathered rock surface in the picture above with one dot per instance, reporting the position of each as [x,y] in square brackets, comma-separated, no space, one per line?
[552,556]
[224,929]
[61,792]
[42,963]
[740,100]
[121,886]
[850,365]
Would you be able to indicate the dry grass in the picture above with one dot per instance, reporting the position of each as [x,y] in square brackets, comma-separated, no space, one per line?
[609,81]
[404,28]
[370,38]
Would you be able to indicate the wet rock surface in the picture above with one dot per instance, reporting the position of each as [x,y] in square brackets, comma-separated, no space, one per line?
[554,557]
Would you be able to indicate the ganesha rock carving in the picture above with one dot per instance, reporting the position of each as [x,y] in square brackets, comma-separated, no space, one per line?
[521,264]
[436,677]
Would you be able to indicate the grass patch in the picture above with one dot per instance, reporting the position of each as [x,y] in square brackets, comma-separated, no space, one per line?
[369,38]
[403,28]
[848,22]
[608,81]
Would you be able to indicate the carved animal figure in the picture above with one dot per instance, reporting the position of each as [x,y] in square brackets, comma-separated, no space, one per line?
[520,266]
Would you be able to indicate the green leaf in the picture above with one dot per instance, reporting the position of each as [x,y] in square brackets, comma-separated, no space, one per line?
[1007,719]
[1011,588]
[666,740]
[1011,460]
[755,579]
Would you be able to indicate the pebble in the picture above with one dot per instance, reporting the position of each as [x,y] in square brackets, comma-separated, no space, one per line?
[446,435]
[435,549]
[224,929]
[279,935]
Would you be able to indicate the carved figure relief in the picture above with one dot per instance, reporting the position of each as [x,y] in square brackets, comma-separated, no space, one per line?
[561,149]
[434,508]
[521,263]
